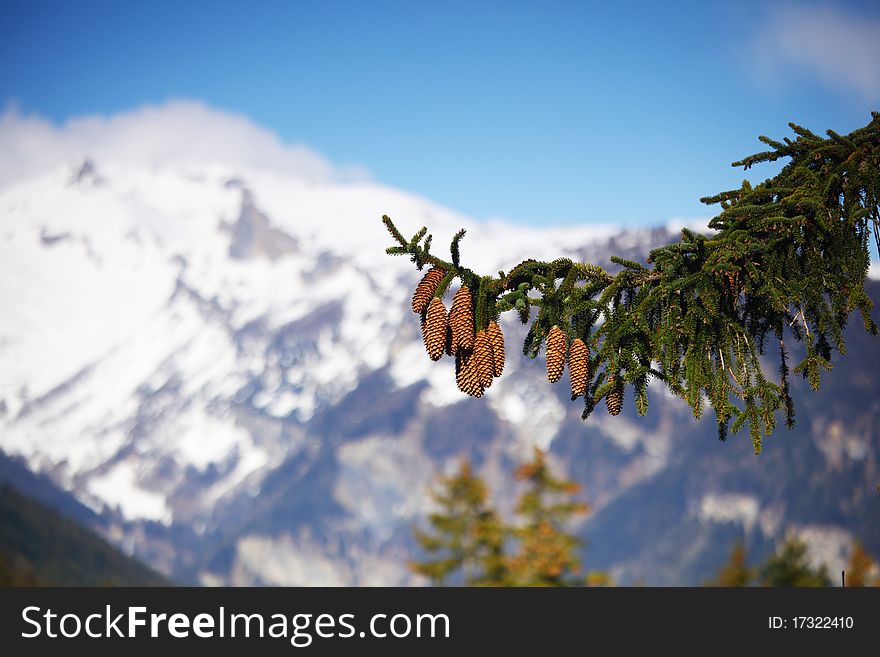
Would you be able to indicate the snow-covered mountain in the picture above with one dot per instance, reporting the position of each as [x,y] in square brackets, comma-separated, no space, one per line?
[222,362]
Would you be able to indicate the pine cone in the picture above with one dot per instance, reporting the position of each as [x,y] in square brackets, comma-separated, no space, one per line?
[434,329]
[466,376]
[496,340]
[461,319]
[426,288]
[578,367]
[734,287]
[614,398]
[483,357]
[555,353]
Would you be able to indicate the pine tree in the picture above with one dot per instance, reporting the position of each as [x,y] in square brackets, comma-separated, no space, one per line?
[736,572]
[470,542]
[789,567]
[862,569]
[787,261]
[548,554]
[468,537]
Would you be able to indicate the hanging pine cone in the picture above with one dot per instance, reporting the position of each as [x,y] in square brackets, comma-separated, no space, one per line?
[461,319]
[555,353]
[496,340]
[732,280]
[466,376]
[483,357]
[578,367]
[426,288]
[614,398]
[434,329]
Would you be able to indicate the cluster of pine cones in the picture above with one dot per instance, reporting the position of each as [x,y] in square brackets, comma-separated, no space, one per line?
[479,356]
[578,367]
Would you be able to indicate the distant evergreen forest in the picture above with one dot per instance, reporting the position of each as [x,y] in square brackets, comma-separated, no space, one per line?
[39,547]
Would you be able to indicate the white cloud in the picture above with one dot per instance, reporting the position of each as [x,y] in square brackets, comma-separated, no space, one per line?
[838,49]
[178,132]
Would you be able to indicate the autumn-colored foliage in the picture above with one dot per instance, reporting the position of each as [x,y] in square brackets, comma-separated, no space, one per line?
[470,545]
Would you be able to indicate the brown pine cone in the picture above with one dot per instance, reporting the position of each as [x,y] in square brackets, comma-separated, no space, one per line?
[426,288]
[461,319]
[614,398]
[555,353]
[483,357]
[496,340]
[466,376]
[578,367]
[434,329]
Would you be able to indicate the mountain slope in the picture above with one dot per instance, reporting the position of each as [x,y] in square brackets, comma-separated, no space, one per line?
[40,547]
[15,474]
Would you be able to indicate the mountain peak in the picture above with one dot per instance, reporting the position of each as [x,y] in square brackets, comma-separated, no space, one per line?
[253,235]
[86,175]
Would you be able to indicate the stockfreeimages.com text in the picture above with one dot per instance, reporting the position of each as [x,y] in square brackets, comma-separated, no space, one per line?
[300,629]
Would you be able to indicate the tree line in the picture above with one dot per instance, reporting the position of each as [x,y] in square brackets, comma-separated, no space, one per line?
[468,543]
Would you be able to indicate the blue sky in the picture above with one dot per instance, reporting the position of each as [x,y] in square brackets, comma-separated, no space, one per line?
[536,112]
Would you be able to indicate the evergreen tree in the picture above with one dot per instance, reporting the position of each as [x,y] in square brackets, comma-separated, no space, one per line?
[736,571]
[468,537]
[599,578]
[861,570]
[787,261]
[470,542]
[16,571]
[547,555]
[789,567]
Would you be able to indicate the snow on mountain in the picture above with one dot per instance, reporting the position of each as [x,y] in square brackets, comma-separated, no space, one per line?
[145,307]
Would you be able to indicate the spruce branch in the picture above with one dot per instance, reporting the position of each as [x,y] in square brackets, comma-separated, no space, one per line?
[788,256]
